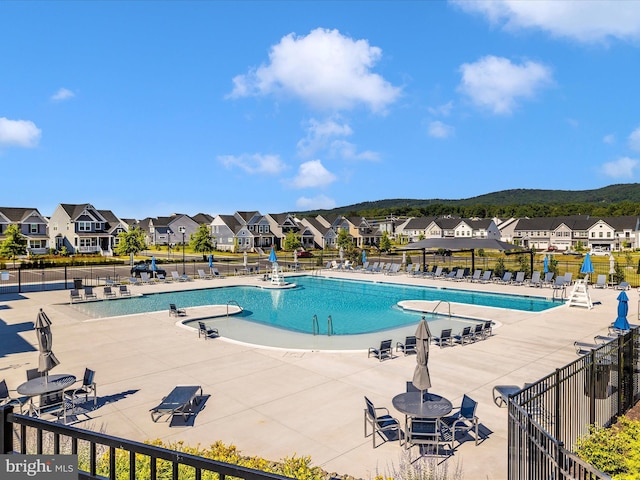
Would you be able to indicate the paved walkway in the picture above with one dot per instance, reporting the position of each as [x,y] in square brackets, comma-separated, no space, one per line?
[279,402]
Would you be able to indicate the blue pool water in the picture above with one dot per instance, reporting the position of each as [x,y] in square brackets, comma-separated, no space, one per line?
[356,307]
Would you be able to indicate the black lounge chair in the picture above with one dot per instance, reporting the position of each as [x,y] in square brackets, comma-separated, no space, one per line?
[409,345]
[181,400]
[466,336]
[206,332]
[89,293]
[75,295]
[108,292]
[384,425]
[478,332]
[445,338]
[464,419]
[175,311]
[385,350]
[501,394]
[124,291]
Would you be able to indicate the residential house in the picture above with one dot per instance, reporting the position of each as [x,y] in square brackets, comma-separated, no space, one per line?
[323,236]
[31,224]
[364,234]
[81,228]
[280,224]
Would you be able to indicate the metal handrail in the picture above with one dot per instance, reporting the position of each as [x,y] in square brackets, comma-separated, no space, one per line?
[232,302]
[438,304]
[314,325]
[329,326]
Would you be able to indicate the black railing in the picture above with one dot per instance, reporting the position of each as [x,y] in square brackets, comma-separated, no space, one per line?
[547,417]
[98,453]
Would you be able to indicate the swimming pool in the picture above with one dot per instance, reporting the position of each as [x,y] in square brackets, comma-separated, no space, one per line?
[355,307]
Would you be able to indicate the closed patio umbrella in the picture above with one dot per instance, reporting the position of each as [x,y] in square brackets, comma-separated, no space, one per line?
[47,359]
[621,322]
[244,259]
[421,378]
[545,264]
[295,256]
[587,266]
[364,257]
[210,263]
[612,267]
[153,266]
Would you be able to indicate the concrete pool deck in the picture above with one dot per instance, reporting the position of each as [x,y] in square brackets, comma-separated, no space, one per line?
[274,402]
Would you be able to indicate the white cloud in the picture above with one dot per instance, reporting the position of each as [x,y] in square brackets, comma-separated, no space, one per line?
[497,84]
[609,139]
[62,94]
[319,136]
[325,69]
[438,129]
[19,133]
[585,21]
[313,174]
[441,110]
[254,164]
[321,202]
[348,151]
[620,168]
[634,140]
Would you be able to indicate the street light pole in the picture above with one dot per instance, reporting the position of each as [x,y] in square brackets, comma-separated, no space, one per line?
[182,230]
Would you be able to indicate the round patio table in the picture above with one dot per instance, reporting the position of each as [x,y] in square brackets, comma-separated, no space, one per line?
[46,385]
[413,405]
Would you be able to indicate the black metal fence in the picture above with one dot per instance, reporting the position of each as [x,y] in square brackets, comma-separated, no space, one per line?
[548,416]
[102,456]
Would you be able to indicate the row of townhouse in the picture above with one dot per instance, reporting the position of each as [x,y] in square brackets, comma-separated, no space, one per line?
[82,228]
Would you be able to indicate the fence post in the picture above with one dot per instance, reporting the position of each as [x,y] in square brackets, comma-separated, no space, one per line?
[65,278]
[20,279]
[6,429]
[592,387]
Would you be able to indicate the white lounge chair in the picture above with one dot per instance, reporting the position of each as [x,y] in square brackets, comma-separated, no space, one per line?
[203,275]
[601,282]
[535,281]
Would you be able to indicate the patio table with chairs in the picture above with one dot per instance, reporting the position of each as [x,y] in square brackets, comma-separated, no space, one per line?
[49,390]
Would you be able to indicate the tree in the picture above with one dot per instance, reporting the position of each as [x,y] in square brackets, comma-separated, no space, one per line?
[291,241]
[14,244]
[201,241]
[131,242]
[344,239]
[385,242]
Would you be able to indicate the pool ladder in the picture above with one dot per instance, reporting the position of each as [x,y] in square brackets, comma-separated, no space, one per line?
[433,312]
[316,328]
[232,302]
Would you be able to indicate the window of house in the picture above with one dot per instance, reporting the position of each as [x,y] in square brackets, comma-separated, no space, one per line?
[33,228]
[608,234]
[600,234]
[84,226]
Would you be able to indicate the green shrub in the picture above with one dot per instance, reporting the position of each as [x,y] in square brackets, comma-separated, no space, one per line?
[615,450]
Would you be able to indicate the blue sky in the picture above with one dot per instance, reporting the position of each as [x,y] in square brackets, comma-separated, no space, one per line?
[150,108]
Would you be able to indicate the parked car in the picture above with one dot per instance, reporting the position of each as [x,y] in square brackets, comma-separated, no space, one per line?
[599,252]
[571,252]
[305,254]
[145,266]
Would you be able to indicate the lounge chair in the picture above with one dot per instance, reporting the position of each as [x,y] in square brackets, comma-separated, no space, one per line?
[87,387]
[207,332]
[476,276]
[216,274]
[416,270]
[486,276]
[548,278]
[559,283]
[506,278]
[393,269]
[535,281]
[501,394]
[445,338]
[519,280]
[108,292]
[382,423]
[623,286]
[134,281]
[175,311]
[202,275]
[124,291]
[179,278]
[583,348]
[568,278]
[601,282]
[464,419]
[437,273]
[7,399]
[89,294]
[452,274]
[145,279]
[487,329]
[181,400]
[478,332]
[385,350]
[75,295]
[161,278]
[460,275]
[409,345]
[464,337]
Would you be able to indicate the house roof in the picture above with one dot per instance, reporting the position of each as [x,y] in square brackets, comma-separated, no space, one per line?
[419,223]
[17,215]
[202,218]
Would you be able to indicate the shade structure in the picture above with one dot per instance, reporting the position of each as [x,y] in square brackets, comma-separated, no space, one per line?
[421,378]
[545,264]
[364,256]
[460,244]
[47,359]
[621,322]
[272,256]
[587,266]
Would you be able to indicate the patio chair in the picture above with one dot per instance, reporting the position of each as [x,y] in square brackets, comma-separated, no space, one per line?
[162,278]
[464,419]
[381,424]
[207,332]
[124,291]
[33,373]
[568,278]
[583,348]
[175,311]
[559,283]
[216,274]
[623,286]
[108,292]
[145,279]
[75,295]
[478,332]
[486,276]
[89,294]
[601,282]
[506,278]
[464,337]
[409,345]
[202,275]
[87,387]
[548,278]
[181,400]
[430,434]
[7,399]
[384,351]
[179,278]
[445,338]
[535,281]
[501,394]
[476,276]
[487,329]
